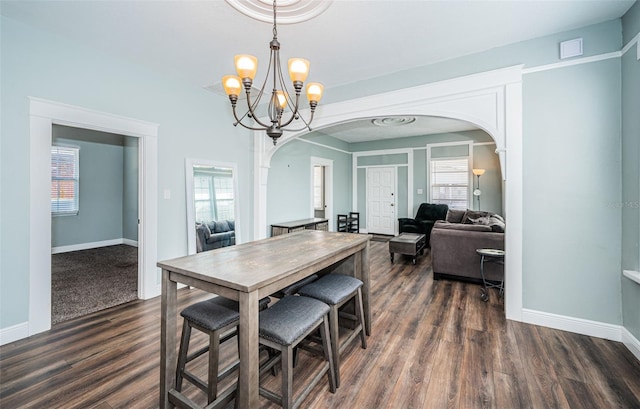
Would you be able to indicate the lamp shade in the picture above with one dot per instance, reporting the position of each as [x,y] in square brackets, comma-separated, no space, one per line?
[232,84]
[298,69]
[246,65]
[478,172]
[314,91]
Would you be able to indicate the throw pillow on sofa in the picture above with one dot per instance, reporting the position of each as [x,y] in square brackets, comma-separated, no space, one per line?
[483,221]
[455,216]
[496,222]
[222,226]
[473,214]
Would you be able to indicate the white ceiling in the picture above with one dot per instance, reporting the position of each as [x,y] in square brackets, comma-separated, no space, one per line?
[195,41]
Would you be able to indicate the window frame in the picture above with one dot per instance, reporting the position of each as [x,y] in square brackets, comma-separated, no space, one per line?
[469,158]
[75,207]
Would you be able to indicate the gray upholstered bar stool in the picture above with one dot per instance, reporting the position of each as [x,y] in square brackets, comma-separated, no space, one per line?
[335,290]
[218,317]
[282,327]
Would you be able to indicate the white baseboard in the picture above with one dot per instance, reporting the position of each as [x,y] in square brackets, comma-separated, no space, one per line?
[571,324]
[14,333]
[632,343]
[129,242]
[584,327]
[93,245]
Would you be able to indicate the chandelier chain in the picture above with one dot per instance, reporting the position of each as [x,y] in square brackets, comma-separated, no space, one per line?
[275,28]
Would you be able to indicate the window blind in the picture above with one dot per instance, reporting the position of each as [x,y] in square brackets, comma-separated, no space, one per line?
[65,177]
[450,182]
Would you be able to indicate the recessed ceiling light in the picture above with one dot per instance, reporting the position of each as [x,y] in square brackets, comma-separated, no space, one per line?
[289,11]
[393,121]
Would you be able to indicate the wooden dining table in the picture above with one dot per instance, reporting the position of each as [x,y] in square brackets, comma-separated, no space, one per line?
[246,273]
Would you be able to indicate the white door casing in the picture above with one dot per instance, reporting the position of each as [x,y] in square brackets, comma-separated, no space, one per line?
[43,114]
[381,200]
[328,187]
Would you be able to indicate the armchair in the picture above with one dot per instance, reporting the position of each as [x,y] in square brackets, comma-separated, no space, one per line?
[426,217]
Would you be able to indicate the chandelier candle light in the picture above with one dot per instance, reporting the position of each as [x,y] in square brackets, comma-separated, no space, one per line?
[247,66]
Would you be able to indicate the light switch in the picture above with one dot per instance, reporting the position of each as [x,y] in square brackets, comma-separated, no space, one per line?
[419,191]
[167,193]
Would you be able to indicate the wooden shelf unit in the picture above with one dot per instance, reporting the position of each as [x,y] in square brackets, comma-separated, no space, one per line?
[349,223]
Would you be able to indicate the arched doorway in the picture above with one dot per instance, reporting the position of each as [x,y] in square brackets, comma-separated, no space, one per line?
[491,100]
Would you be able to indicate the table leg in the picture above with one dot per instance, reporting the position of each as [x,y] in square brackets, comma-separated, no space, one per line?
[248,379]
[168,357]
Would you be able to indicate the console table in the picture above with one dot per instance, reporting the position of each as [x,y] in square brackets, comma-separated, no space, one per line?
[314,223]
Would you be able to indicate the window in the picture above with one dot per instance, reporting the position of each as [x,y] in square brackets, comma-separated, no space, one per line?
[450,181]
[213,194]
[65,176]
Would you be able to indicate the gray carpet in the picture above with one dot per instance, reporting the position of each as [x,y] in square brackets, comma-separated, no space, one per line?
[86,281]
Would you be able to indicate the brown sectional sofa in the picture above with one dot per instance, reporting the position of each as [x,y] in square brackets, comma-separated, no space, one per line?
[454,244]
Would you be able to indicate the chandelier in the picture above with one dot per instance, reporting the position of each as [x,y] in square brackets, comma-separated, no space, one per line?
[280,98]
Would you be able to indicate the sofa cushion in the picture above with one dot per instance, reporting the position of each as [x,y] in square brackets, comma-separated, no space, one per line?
[455,216]
[222,226]
[232,224]
[460,226]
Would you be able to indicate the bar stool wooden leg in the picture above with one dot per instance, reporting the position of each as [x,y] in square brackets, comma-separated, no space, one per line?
[182,354]
[214,361]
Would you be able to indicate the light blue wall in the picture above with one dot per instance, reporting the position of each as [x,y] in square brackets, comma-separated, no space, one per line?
[192,122]
[631,172]
[130,189]
[108,188]
[483,155]
[597,39]
[100,189]
[289,182]
[572,166]
[571,243]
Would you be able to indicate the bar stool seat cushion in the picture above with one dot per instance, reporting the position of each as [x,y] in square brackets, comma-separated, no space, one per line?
[216,313]
[290,318]
[332,288]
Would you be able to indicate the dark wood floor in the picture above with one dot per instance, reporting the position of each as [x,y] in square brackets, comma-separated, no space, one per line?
[433,345]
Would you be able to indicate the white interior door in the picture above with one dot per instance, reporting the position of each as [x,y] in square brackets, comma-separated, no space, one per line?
[381,200]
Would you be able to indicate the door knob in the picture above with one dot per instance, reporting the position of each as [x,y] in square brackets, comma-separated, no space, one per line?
[391,204]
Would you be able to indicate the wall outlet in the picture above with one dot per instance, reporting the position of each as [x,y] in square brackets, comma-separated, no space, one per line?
[167,193]
[419,191]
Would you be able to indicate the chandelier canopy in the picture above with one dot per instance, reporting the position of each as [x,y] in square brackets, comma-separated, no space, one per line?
[280,98]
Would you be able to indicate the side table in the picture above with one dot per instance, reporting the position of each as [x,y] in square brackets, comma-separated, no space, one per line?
[486,256]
